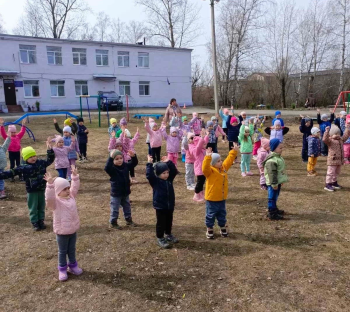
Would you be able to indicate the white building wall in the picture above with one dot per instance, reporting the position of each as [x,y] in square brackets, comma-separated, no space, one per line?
[164,63]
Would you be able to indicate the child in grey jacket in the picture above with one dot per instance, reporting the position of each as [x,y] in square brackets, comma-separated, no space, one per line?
[3,164]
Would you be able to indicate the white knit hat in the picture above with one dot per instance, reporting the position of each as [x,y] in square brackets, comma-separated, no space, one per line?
[214,158]
[67,129]
[315,130]
[60,185]
[334,130]
[343,113]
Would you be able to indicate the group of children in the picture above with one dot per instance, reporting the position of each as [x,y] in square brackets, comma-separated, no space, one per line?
[196,140]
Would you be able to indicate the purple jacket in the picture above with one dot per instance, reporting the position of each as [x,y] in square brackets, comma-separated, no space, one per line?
[61,155]
[172,143]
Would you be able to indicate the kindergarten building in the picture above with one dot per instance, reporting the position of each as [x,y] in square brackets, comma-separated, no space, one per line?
[55,72]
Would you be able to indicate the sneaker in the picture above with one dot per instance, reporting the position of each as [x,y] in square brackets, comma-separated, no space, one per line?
[129,222]
[190,188]
[244,174]
[74,268]
[210,234]
[223,232]
[280,212]
[249,173]
[115,226]
[85,159]
[193,185]
[255,157]
[329,188]
[335,185]
[274,215]
[36,226]
[2,195]
[311,174]
[171,238]
[162,242]
[42,225]
[80,160]
[62,273]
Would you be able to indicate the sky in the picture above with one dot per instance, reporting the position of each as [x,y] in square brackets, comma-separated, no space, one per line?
[125,10]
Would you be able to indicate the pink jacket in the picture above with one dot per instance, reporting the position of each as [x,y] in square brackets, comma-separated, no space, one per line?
[262,154]
[128,145]
[15,145]
[198,152]
[61,155]
[172,143]
[65,212]
[189,157]
[155,137]
[196,125]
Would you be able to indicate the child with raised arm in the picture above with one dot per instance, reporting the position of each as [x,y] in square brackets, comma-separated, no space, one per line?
[277,131]
[335,157]
[72,154]
[82,135]
[233,126]
[258,134]
[246,148]
[155,138]
[3,164]
[15,146]
[68,122]
[60,197]
[119,172]
[314,151]
[278,117]
[216,189]
[113,126]
[225,115]
[33,172]
[163,198]
[324,122]
[172,143]
[189,160]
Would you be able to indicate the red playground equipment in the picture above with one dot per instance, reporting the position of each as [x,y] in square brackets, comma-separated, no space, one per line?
[345,97]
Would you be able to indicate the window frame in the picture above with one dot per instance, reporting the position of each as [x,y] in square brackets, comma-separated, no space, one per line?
[31,88]
[142,56]
[124,84]
[59,83]
[79,55]
[100,54]
[26,48]
[123,57]
[144,84]
[81,84]
[56,54]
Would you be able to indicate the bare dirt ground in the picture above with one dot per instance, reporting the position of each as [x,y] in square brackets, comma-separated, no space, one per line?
[301,264]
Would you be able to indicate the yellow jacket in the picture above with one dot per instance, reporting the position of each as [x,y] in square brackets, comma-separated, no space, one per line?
[216,187]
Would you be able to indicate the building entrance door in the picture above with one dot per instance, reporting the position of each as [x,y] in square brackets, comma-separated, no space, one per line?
[10,92]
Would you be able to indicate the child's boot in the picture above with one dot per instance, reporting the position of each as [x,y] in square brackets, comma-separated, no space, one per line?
[274,215]
[62,273]
[223,231]
[74,268]
[171,239]
[329,187]
[196,197]
[201,197]
[336,186]
[42,225]
[210,233]
[2,194]
[115,225]
[36,226]
[129,222]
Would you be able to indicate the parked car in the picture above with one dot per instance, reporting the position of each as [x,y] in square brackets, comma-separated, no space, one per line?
[110,100]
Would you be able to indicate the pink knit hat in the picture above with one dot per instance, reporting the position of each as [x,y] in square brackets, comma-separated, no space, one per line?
[190,135]
[233,119]
[225,111]
[123,122]
[265,143]
[58,138]
[60,185]
[118,142]
[11,128]
[173,129]
[348,118]
[194,114]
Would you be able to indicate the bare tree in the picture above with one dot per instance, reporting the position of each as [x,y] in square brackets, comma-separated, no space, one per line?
[117,33]
[2,29]
[102,26]
[173,21]
[135,31]
[52,18]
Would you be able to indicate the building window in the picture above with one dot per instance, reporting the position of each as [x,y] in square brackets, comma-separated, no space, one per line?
[124,87]
[123,59]
[102,57]
[31,88]
[27,54]
[79,56]
[57,88]
[143,59]
[144,88]
[54,55]
[81,87]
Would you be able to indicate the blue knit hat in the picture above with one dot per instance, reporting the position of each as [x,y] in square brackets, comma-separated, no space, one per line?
[274,144]
[277,113]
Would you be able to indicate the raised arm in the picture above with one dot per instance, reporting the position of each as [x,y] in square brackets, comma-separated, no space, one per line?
[109,166]
[2,129]
[206,166]
[50,195]
[22,132]
[74,127]
[332,118]
[268,130]
[285,130]
[57,127]
[326,138]
[172,170]
[74,188]
[230,158]
[151,177]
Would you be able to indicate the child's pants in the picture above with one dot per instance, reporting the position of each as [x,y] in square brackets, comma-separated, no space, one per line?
[83,149]
[164,222]
[149,149]
[36,205]
[189,176]
[69,169]
[311,164]
[156,153]
[332,174]
[257,145]
[347,150]
[324,148]
[304,151]
[132,170]
[66,246]
[200,184]
[183,157]
[2,183]
[245,162]
[62,172]
[272,197]
[173,157]
[213,146]
[115,203]
[15,158]
[215,210]
[226,131]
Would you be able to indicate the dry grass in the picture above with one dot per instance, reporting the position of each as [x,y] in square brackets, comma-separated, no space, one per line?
[301,264]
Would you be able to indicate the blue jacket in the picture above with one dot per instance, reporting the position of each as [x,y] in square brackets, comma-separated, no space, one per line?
[119,176]
[305,130]
[314,146]
[82,136]
[232,131]
[324,124]
[163,190]
[280,119]
[33,174]
[224,119]
[67,142]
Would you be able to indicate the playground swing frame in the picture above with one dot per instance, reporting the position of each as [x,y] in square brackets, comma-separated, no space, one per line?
[342,97]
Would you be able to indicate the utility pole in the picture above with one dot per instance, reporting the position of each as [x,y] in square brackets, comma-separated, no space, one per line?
[213,44]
